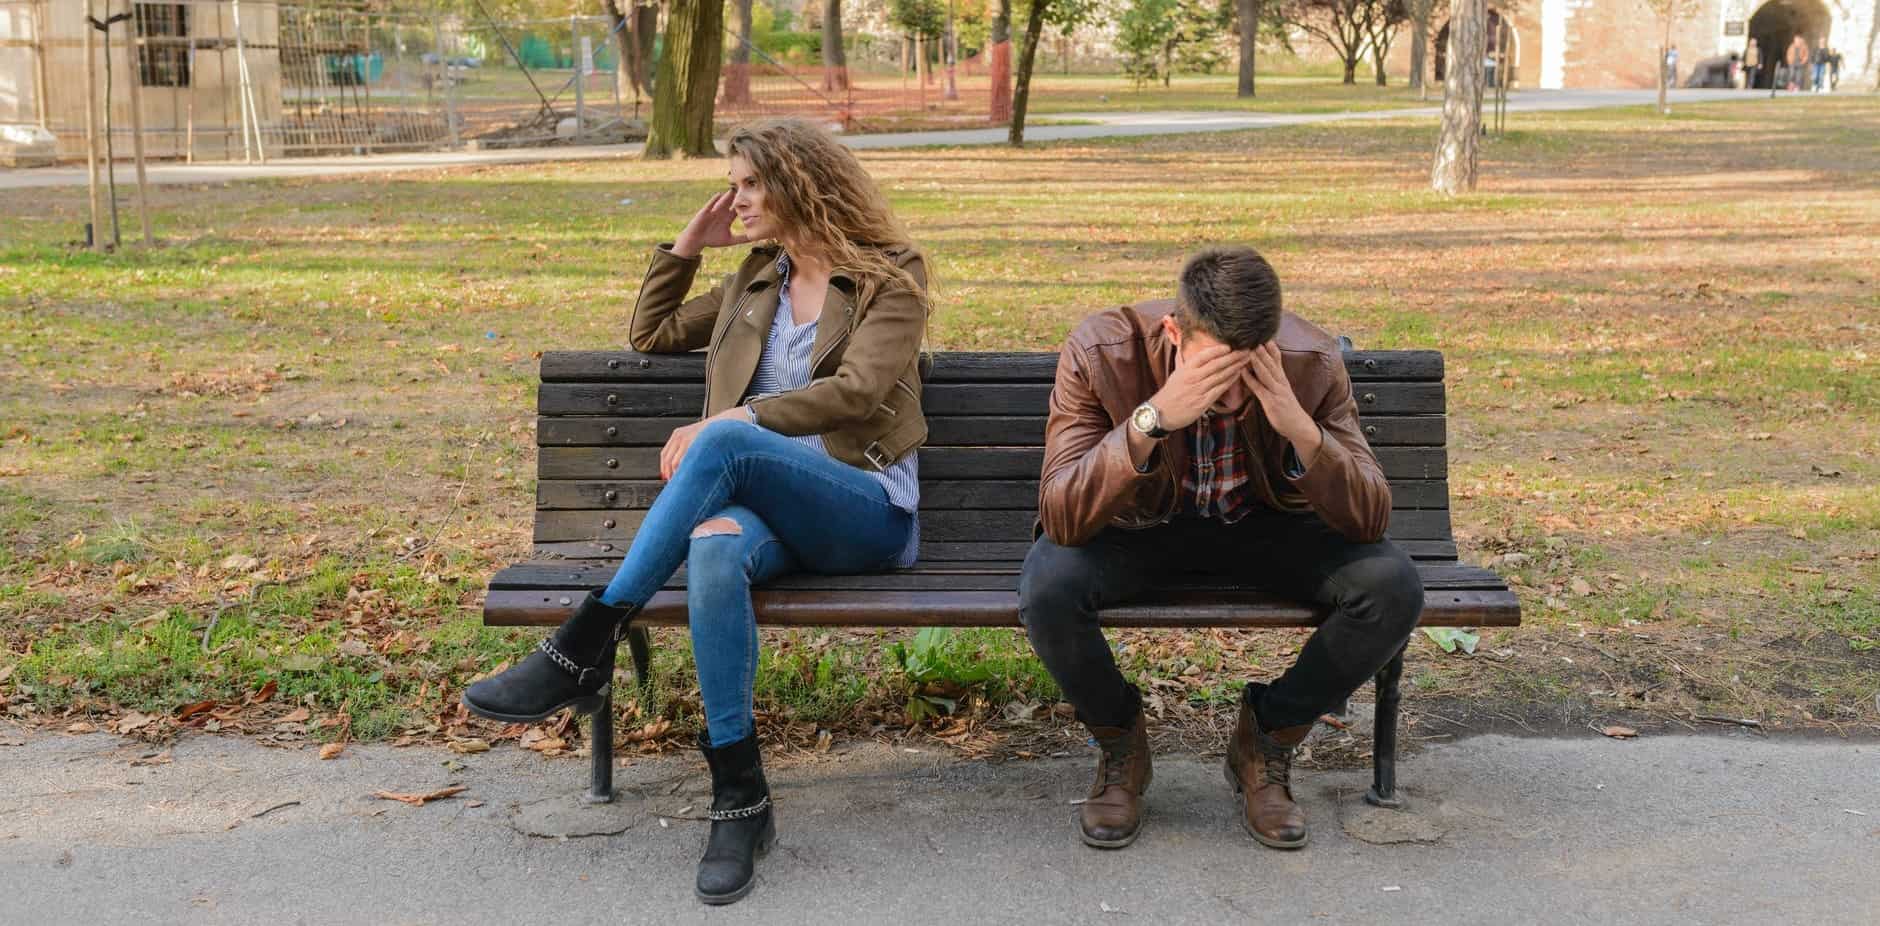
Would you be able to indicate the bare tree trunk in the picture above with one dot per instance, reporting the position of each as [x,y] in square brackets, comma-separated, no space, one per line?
[629,77]
[737,83]
[686,90]
[1000,70]
[835,61]
[1420,47]
[1456,148]
[1249,13]
[1377,62]
[1027,54]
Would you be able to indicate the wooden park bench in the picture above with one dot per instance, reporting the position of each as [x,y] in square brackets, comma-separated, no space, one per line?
[603,417]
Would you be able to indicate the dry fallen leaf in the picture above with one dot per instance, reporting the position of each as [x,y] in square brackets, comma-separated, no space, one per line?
[239,562]
[1619,733]
[1580,587]
[418,800]
[134,721]
[299,715]
[469,746]
[81,727]
[332,750]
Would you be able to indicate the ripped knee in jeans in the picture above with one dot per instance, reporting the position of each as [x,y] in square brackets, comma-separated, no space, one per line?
[717,527]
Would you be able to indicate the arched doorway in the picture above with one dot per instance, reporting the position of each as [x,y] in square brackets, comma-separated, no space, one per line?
[1501,35]
[1777,23]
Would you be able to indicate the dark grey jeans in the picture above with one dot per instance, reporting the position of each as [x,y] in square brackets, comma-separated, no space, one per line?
[1372,590]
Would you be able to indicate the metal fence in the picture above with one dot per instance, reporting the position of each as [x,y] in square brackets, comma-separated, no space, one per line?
[248,79]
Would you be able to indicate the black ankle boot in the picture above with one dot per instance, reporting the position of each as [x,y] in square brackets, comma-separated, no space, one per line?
[568,669]
[742,825]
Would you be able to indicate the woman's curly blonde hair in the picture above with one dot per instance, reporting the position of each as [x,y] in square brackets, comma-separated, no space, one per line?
[826,202]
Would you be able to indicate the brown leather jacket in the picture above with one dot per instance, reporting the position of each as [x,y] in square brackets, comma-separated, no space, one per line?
[864,392]
[1116,359]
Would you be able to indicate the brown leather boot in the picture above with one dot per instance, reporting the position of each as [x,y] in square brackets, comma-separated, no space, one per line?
[1112,815]
[1259,766]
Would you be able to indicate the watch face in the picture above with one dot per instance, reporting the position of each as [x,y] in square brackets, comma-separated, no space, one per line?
[1144,418]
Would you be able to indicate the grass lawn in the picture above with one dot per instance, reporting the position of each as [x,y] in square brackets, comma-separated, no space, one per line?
[269,464]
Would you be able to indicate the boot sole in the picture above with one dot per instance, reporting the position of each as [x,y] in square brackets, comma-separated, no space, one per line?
[1240,797]
[763,849]
[585,704]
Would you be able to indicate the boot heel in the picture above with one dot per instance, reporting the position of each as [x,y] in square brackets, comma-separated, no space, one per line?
[769,838]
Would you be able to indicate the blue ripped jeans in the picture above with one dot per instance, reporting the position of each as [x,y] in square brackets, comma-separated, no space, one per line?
[795,509]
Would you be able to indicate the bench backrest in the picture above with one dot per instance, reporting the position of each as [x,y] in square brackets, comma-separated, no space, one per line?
[605,414]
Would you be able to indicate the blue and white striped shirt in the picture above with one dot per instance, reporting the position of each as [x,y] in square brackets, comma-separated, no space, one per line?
[785,365]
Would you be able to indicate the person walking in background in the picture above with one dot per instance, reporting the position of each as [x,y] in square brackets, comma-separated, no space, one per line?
[1834,68]
[1818,79]
[1671,66]
[1797,62]
[1752,62]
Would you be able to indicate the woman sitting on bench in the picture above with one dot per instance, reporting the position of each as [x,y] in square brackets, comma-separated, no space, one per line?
[804,459]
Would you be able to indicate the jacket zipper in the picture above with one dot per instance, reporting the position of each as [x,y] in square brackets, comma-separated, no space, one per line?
[712,353]
[848,314]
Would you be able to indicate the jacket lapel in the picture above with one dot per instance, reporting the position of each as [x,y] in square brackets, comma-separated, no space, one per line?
[743,344]
[833,325]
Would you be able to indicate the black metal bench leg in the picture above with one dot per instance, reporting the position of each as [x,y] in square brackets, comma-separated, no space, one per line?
[1383,791]
[639,645]
[601,749]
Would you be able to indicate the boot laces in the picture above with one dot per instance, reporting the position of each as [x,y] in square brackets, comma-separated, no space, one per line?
[1115,765]
[1275,761]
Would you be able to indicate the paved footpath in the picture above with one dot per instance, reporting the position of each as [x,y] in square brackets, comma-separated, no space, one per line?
[1100,125]
[1658,830]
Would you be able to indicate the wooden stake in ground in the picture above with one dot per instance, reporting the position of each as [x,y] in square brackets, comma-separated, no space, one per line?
[1461,138]
[135,46]
[91,129]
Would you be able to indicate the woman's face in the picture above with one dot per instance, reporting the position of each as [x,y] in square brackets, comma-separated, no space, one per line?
[748,201]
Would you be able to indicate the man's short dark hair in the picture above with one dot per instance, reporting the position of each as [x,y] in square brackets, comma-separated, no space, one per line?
[1232,294]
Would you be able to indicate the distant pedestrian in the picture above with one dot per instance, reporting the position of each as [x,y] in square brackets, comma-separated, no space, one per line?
[1818,79]
[1834,68]
[1797,61]
[1752,62]
[1671,66]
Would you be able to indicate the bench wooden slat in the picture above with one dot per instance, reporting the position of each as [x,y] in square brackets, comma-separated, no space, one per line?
[947,551]
[1010,524]
[642,400]
[935,462]
[559,574]
[783,607]
[951,431]
[939,494]
[965,366]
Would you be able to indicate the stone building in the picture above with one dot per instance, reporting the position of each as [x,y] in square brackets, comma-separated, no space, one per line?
[1578,44]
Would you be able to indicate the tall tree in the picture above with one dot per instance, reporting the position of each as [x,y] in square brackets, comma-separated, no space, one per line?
[835,61]
[1420,11]
[630,74]
[1381,30]
[1027,54]
[1456,147]
[1000,41]
[684,95]
[737,82]
[1344,25]
[1247,25]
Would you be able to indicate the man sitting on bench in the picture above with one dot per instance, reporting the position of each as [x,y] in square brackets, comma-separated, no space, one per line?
[1214,433]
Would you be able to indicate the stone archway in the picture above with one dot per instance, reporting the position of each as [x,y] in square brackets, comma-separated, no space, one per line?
[1501,34]
[1777,22]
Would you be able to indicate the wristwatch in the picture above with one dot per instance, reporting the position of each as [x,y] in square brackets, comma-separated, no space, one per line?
[1148,421]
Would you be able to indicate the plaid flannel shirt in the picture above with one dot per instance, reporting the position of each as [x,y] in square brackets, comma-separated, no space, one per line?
[1216,485]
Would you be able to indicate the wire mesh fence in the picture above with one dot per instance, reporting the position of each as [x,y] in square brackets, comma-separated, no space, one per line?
[235,79]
